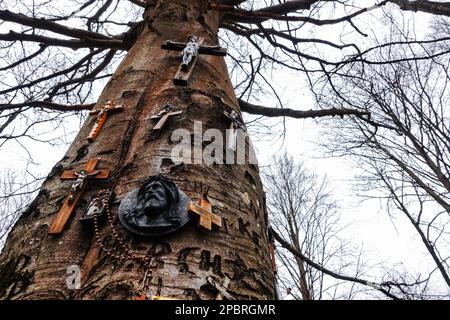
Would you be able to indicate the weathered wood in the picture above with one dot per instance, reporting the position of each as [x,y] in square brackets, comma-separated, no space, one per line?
[183,75]
[64,213]
[210,50]
[184,72]
[102,115]
[207,219]
[70,174]
[222,288]
[60,220]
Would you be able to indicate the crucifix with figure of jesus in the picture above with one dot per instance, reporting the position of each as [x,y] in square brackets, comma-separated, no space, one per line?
[189,54]
[81,178]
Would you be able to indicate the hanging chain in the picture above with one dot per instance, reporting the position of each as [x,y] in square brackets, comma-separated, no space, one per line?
[102,199]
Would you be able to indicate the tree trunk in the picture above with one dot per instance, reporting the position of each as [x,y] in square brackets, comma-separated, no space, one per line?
[34,264]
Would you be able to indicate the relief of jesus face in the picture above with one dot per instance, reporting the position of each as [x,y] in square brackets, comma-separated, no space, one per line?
[158,207]
[154,198]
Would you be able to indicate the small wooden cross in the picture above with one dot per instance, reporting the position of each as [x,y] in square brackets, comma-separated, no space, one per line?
[162,116]
[189,54]
[204,210]
[81,178]
[235,123]
[102,114]
[221,288]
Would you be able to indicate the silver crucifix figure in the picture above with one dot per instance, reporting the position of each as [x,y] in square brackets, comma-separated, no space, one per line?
[190,51]
[77,184]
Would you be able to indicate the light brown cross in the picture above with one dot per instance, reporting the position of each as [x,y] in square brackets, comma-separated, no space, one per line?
[102,114]
[204,211]
[162,117]
[221,288]
[81,178]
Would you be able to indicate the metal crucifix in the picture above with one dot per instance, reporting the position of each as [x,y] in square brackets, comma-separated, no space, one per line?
[102,114]
[235,123]
[81,178]
[162,116]
[189,54]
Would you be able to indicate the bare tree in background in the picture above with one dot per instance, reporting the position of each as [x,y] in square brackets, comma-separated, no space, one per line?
[17,190]
[302,210]
[407,156]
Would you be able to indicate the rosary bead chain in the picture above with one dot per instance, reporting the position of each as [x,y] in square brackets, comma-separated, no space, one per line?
[102,198]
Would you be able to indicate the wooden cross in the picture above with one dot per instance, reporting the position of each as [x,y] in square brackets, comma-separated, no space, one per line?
[189,54]
[166,112]
[204,210]
[235,123]
[81,178]
[102,114]
[221,288]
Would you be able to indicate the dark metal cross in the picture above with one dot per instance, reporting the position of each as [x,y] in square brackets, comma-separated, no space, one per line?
[81,178]
[162,116]
[189,54]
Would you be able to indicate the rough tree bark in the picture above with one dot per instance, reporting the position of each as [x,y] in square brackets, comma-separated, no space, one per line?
[33,264]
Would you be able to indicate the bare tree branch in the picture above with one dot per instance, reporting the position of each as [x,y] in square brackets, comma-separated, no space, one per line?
[299,114]
[71,43]
[31,56]
[288,7]
[47,105]
[44,24]
[140,3]
[259,16]
[433,7]
[287,246]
